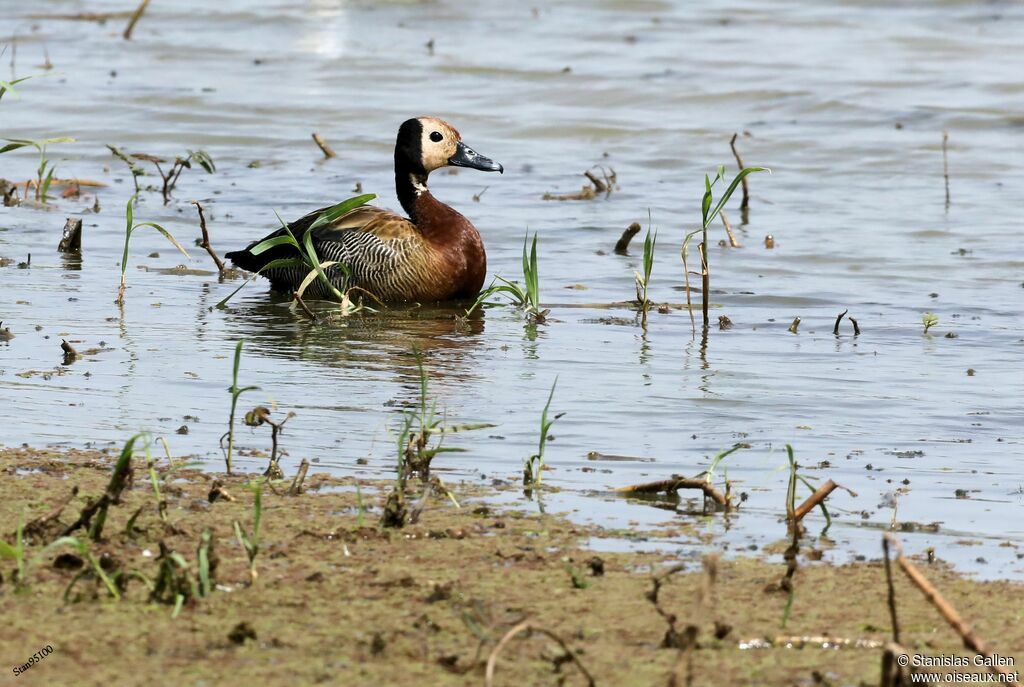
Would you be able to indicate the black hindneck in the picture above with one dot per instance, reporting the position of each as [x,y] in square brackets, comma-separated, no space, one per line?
[409,184]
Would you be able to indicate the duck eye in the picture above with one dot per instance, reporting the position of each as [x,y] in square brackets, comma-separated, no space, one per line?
[436,137]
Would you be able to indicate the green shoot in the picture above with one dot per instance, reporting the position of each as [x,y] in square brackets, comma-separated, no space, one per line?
[528,297]
[416,450]
[535,463]
[206,564]
[235,392]
[173,583]
[170,177]
[16,553]
[929,320]
[46,170]
[130,228]
[118,481]
[250,541]
[709,211]
[644,280]
[81,547]
[8,86]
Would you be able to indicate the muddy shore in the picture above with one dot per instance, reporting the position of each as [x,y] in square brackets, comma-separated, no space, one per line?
[339,600]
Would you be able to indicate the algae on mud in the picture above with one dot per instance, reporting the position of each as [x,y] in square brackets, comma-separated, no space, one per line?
[339,602]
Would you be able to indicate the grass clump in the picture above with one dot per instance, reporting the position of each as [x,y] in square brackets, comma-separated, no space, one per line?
[535,464]
[250,541]
[130,227]
[46,169]
[526,297]
[643,280]
[171,176]
[420,440]
[710,209]
[235,392]
[929,320]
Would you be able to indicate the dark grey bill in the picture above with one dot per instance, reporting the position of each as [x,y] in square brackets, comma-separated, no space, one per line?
[467,157]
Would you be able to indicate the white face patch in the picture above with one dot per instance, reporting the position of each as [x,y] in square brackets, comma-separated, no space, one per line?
[435,153]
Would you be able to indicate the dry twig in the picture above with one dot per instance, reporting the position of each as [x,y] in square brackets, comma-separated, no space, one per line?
[136,15]
[324,148]
[622,246]
[728,228]
[739,161]
[675,484]
[526,626]
[221,268]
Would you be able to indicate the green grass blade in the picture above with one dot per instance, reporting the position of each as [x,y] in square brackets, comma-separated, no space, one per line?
[167,235]
[729,191]
[264,246]
[333,213]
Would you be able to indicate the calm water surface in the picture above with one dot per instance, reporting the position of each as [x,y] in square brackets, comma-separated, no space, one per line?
[846,103]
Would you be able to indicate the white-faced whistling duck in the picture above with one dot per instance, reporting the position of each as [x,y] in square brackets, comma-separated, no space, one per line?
[435,254]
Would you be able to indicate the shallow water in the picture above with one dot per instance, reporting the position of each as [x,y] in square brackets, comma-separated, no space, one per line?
[845,103]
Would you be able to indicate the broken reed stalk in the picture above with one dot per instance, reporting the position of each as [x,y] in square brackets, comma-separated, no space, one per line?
[221,268]
[745,203]
[525,626]
[946,610]
[622,246]
[835,329]
[820,494]
[675,484]
[945,163]
[71,240]
[856,327]
[728,230]
[894,674]
[324,148]
[300,477]
[599,186]
[136,15]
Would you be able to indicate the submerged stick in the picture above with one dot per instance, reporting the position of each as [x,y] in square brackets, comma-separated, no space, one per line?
[949,614]
[622,246]
[945,162]
[221,268]
[820,494]
[739,161]
[599,185]
[135,18]
[322,144]
[525,626]
[856,327]
[675,484]
[728,229]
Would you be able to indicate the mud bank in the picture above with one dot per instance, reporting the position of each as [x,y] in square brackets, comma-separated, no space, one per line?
[339,600]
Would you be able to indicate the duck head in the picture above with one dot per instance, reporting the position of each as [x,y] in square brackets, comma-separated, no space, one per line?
[427,143]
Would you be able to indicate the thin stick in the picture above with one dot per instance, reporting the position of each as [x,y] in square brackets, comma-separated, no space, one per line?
[739,161]
[675,484]
[835,330]
[728,229]
[305,308]
[892,592]
[856,327]
[820,494]
[300,477]
[622,246]
[135,18]
[324,148]
[492,660]
[206,240]
[945,162]
[970,640]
